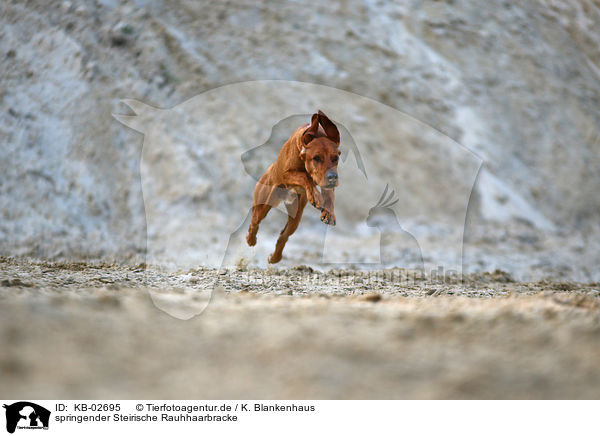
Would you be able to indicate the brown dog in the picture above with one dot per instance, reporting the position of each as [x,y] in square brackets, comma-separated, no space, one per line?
[308,159]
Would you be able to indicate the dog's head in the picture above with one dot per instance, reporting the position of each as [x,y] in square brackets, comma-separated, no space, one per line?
[320,151]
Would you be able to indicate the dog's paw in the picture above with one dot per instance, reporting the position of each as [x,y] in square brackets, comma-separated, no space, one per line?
[274,258]
[328,218]
[251,240]
[315,199]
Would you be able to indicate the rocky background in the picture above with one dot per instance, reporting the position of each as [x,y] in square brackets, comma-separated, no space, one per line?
[517,84]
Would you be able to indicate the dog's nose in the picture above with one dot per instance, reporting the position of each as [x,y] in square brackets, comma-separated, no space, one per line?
[331,177]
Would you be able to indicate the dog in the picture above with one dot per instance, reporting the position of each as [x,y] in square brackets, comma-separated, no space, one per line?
[307,160]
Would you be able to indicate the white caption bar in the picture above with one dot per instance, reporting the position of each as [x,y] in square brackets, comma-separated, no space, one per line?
[22,417]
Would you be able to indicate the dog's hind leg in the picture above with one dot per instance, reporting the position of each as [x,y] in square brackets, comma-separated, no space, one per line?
[294,210]
[259,212]
[265,198]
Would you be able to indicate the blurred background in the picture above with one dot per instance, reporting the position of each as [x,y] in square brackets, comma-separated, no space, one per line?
[516,84]
[134,131]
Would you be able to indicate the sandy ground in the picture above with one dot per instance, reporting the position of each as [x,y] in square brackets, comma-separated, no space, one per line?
[92,331]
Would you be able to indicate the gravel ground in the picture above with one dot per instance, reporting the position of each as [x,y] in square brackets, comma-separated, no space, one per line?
[88,330]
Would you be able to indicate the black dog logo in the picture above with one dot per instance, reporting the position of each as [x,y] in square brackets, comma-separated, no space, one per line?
[30,415]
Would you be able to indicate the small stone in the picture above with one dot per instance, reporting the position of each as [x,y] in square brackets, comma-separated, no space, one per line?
[372,297]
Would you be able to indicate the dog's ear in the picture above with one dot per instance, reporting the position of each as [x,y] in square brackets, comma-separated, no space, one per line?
[311,132]
[331,130]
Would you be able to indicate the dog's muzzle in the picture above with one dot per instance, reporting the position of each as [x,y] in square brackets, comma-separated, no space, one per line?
[332,179]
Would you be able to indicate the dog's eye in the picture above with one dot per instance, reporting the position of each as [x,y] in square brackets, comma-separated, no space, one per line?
[317,159]
[335,159]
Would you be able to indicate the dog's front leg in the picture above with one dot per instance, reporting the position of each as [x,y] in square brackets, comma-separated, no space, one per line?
[300,178]
[327,215]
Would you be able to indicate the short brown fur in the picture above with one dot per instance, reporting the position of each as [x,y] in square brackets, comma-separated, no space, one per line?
[307,159]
